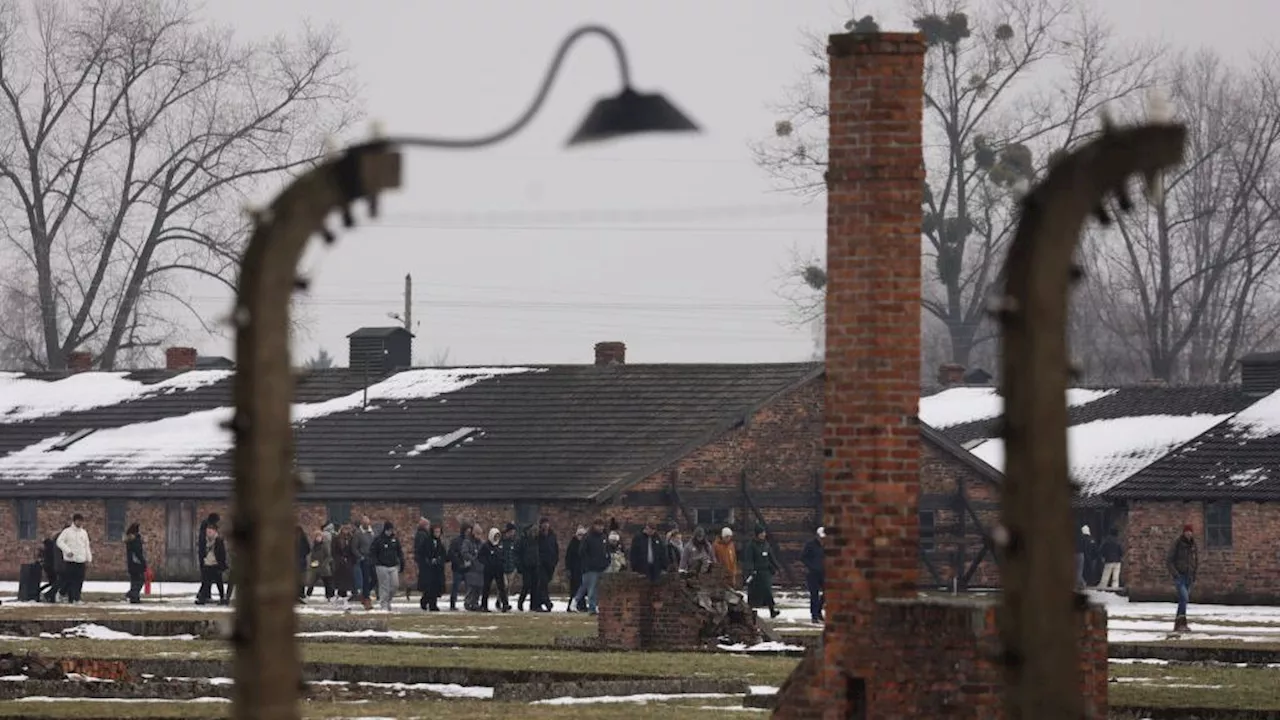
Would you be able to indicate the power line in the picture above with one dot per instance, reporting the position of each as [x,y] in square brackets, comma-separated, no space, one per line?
[537,305]
[617,215]
[515,227]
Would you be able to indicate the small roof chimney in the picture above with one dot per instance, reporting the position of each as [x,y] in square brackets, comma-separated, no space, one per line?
[1260,373]
[180,358]
[611,353]
[378,351]
[950,374]
[79,361]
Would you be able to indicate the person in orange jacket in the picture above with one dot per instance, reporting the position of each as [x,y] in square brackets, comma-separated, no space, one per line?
[726,554]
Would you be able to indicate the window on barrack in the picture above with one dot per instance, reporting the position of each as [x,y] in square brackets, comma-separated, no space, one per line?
[1217,524]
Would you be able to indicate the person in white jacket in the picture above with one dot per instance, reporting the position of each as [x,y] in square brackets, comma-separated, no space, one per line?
[76,553]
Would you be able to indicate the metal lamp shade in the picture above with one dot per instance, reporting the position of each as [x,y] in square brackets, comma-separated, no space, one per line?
[630,113]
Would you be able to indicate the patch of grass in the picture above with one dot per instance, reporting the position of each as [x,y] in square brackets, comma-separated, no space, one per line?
[1208,643]
[1204,686]
[428,709]
[506,628]
[757,670]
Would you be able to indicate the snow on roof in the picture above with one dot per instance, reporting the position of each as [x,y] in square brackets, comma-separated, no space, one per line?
[1259,420]
[1104,452]
[961,405]
[23,398]
[443,441]
[182,446]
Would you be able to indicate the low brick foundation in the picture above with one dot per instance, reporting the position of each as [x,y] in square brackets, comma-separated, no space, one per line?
[934,657]
[637,614]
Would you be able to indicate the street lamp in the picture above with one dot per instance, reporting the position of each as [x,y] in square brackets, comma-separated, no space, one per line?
[627,113]
[267,671]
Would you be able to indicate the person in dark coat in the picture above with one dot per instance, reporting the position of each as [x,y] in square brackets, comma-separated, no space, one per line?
[491,560]
[421,547]
[1183,563]
[530,565]
[573,565]
[52,561]
[759,567]
[213,563]
[1085,549]
[648,557]
[813,556]
[345,562]
[474,569]
[436,557]
[388,564]
[304,554]
[509,563]
[136,562]
[1112,556]
[202,549]
[595,561]
[455,560]
[549,554]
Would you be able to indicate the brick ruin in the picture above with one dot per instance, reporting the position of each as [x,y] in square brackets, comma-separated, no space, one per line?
[674,613]
[887,652]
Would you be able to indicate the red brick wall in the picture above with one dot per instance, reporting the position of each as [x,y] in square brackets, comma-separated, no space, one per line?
[636,614]
[941,478]
[1248,572]
[937,658]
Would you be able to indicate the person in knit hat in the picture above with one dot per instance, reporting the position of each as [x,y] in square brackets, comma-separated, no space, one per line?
[726,554]
[1183,563]
[388,560]
[759,565]
[1085,549]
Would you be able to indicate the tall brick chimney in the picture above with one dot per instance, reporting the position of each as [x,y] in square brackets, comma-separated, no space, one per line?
[887,652]
[875,180]
[180,358]
[611,353]
[950,374]
[79,361]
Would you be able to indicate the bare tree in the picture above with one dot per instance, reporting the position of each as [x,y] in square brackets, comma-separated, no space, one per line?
[1007,85]
[131,134]
[322,360]
[1192,278]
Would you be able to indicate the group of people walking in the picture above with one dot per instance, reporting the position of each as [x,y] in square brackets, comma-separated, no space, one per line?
[356,563]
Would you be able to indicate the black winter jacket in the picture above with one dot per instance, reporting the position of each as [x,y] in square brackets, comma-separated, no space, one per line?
[640,554]
[1111,551]
[595,554]
[421,545]
[386,552]
[812,556]
[135,557]
[548,551]
[1183,559]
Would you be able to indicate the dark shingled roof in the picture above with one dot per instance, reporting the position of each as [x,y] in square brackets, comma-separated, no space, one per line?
[562,432]
[1232,461]
[1130,401]
[379,332]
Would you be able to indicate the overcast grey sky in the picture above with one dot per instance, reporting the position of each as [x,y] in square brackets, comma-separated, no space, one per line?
[506,266]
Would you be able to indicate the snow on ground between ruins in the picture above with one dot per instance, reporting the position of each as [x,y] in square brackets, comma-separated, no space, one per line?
[23,398]
[961,405]
[93,631]
[768,646]
[387,634]
[1103,453]
[639,698]
[182,446]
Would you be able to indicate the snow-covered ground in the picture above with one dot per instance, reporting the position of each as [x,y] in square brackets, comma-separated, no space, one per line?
[1126,622]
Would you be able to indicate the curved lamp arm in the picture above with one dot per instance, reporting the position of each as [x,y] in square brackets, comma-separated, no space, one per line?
[538,100]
